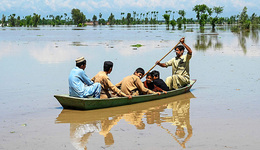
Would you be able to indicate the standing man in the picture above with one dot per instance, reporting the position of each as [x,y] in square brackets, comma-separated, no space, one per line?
[180,67]
[132,85]
[106,85]
[79,83]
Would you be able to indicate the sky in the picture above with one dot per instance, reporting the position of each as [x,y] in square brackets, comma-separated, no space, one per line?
[106,7]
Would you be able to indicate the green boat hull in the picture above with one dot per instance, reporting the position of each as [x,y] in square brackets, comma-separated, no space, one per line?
[69,102]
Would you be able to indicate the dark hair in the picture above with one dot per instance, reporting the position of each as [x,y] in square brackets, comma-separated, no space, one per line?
[140,70]
[107,65]
[81,63]
[149,74]
[180,47]
[156,73]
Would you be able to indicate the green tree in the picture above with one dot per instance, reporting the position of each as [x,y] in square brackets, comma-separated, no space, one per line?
[173,23]
[232,19]
[182,19]
[57,20]
[35,19]
[167,19]
[65,14]
[94,19]
[243,20]
[78,17]
[101,21]
[134,13]
[128,18]
[202,13]
[214,20]
[111,19]
[18,21]
[28,21]
[12,20]
[3,20]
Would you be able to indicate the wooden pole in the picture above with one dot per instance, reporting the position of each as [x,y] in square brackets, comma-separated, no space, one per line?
[162,58]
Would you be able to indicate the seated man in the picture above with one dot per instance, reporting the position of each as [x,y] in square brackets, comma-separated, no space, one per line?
[106,85]
[159,82]
[79,83]
[148,83]
[132,85]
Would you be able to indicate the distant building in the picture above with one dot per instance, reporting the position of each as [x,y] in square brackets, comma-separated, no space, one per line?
[90,23]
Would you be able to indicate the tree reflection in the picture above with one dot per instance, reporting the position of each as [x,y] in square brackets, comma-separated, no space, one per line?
[206,41]
[244,35]
[83,124]
[255,36]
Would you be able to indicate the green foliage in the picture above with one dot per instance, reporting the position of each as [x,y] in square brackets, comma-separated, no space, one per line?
[182,13]
[202,11]
[102,21]
[213,22]
[11,20]
[28,21]
[173,23]
[94,18]
[137,45]
[255,21]
[77,16]
[167,19]
[35,19]
[203,14]
[179,22]
[235,29]
[128,18]
[111,19]
[218,10]
[244,21]
[3,20]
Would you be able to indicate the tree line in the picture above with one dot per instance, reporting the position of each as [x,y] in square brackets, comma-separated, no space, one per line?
[204,15]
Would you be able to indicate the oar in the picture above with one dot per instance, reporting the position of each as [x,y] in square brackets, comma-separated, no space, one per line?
[162,58]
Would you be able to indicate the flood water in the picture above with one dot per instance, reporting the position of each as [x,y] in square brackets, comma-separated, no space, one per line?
[220,112]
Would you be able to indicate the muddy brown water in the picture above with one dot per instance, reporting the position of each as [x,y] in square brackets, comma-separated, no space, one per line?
[220,112]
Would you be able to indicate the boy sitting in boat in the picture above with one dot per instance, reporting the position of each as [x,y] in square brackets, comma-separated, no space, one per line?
[106,84]
[132,85]
[80,84]
[159,82]
[148,83]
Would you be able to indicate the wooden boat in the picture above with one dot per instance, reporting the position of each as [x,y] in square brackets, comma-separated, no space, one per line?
[83,117]
[69,102]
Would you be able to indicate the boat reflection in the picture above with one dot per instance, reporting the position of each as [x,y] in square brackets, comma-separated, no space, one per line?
[171,112]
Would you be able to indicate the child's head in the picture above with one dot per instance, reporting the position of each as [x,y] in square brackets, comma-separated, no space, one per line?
[149,77]
[139,72]
[156,74]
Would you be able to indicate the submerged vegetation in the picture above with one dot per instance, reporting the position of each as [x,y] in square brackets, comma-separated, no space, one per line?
[137,45]
[204,15]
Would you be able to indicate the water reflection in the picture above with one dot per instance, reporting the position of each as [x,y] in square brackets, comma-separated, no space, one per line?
[212,40]
[180,119]
[166,114]
[244,35]
[206,41]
